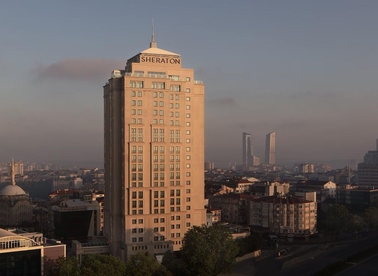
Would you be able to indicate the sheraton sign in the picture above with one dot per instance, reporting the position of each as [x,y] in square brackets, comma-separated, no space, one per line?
[167,60]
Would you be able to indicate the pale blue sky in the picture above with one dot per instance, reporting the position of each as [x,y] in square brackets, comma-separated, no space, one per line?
[305,69]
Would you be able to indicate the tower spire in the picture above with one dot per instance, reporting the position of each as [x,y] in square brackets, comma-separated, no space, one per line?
[153,43]
[12,173]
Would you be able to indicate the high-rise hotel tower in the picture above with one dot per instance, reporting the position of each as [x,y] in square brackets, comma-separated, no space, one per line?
[154,153]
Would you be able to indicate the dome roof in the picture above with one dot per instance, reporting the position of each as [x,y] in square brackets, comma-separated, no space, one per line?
[12,190]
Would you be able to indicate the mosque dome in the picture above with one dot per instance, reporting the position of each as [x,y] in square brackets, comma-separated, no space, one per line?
[12,190]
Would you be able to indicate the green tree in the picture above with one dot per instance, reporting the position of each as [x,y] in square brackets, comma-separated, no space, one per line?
[173,263]
[65,267]
[357,223]
[249,244]
[208,251]
[371,218]
[338,219]
[144,265]
[102,265]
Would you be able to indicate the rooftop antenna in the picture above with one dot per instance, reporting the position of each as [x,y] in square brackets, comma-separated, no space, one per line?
[153,43]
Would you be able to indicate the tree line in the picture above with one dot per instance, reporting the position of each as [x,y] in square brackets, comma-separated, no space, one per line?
[206,251]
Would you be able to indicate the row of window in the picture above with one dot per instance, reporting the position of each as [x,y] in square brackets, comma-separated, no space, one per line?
[156,103]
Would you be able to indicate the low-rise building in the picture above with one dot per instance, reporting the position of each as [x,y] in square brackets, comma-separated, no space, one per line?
[76,219]
[266,188]
[323,189]
[232,206]
[355,198]
[213,215]
[283,215]
[24,253]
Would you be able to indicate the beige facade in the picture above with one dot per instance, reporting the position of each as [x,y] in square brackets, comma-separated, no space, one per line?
[283,215]
[154,153]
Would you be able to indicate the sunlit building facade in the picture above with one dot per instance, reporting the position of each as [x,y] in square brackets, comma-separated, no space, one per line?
[154,153]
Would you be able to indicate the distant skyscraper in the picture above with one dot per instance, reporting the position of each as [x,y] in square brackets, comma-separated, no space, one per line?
[247,149]
[368,170]
[154,154]
[270,148]
[209,165]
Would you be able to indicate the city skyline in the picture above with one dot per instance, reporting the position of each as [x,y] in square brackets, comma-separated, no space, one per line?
[305,70]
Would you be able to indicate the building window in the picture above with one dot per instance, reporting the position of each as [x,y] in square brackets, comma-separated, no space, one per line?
[133,102]
[187,99]
[154,94]
[140,221]
[188,124]
[176,88]
[139,111]
[132,84]
[187,90]
[139,84]
[133,93]
[140,94]
[154,103]
[187,78]
[133,221]
[187,115]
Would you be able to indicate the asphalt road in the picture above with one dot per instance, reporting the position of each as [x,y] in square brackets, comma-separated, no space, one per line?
[311,266]
[368,267]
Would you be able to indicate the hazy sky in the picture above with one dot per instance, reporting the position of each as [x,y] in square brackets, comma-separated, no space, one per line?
[305,69]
